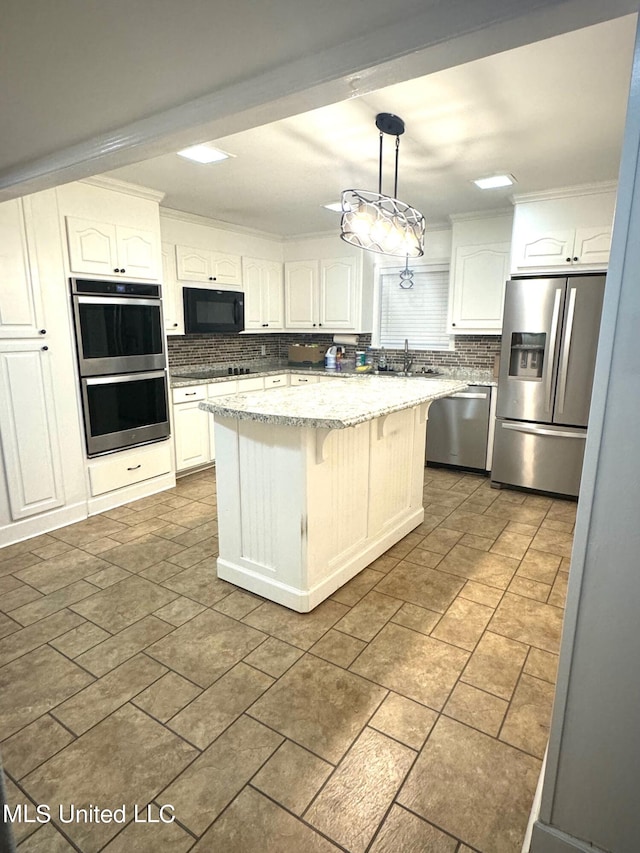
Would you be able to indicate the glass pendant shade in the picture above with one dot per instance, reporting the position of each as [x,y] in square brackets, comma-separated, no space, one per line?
[381,223]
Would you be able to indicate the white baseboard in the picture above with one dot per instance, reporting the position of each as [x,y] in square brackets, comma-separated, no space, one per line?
[18,531]
[305,600]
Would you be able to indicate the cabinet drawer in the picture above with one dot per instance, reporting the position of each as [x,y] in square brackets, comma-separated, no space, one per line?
[276,381]
[256,383]
[189,394]
[303,380]
[124,469]
[222,389]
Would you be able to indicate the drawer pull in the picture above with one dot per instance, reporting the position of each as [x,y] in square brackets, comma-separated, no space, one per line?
[190,393]
[134,468]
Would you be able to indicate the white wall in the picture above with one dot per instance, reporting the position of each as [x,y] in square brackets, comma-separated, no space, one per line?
[187,229]
[590,793]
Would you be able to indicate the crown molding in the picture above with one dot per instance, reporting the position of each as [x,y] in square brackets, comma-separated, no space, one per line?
[107,183]
[197,219]
[567,192]
[481,214]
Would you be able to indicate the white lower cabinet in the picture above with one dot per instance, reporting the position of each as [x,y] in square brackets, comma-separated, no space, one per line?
[118,470]
[278,380]
[296,379]
[29,429]
[193,428]
[190,427]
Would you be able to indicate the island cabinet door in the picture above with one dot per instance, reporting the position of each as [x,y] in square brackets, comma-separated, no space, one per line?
[396,440]
[337,487]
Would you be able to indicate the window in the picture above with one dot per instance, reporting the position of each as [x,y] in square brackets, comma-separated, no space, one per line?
[417,313]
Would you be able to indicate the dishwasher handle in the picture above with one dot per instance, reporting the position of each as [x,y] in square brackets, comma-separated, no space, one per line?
[470,395]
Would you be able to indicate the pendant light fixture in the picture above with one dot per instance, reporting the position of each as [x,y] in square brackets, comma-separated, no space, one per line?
[382,223]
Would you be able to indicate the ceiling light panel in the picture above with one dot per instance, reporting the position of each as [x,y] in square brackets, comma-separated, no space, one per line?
[494,182]
[204,153]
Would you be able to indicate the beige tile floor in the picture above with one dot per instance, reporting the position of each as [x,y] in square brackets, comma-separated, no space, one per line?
[409,712]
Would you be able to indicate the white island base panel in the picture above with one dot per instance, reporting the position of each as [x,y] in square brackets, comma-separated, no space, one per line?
[302,510]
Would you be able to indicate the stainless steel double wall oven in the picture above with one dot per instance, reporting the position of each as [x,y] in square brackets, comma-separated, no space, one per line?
[122,363]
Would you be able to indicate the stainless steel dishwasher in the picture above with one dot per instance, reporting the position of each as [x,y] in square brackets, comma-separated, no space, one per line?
[458,428]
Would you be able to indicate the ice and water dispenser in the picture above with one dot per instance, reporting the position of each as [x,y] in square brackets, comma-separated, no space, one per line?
[527,355]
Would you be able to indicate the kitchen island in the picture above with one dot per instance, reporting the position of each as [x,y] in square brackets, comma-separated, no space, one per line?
[315,482]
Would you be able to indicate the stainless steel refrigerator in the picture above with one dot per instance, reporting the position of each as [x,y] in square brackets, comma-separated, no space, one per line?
[549,341]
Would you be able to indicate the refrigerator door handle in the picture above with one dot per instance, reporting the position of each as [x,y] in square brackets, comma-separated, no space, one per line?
[552,348]
[566,347]
[541,431]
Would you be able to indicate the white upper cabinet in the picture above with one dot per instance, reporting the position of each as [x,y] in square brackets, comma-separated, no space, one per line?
[101,248]
[301,294]
[478,273]
[207,266]
[568,231]
[20,303]
[264,295]
[324,295]
[338,293]
[172,309]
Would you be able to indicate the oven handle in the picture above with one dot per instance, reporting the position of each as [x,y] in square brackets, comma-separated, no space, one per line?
[125,377]
[116,300]
[236,312]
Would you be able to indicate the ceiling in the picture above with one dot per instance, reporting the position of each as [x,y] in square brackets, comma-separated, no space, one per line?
[550,113]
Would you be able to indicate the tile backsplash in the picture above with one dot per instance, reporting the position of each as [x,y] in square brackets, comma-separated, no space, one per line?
[471,351]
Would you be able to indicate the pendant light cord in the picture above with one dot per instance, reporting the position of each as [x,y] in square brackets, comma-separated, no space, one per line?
[395,176]
[395,184]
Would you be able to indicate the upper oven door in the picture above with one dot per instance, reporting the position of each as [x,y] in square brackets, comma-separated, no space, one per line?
[117,334]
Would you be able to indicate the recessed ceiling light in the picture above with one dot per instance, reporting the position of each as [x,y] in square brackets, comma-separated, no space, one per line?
[334,205]
[204,153]
[495,182]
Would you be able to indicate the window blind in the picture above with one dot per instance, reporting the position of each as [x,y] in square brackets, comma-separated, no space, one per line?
[418,313]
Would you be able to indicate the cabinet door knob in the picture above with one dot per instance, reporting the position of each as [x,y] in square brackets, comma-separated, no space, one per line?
[43,331]
[576,259]
[116,269]
[568,260]
[122,269]
[175,325]
[212,278]
[45,348]
[314,324]
[453,324]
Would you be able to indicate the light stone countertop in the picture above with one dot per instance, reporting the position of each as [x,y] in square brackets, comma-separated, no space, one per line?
[348,401]
[215,373]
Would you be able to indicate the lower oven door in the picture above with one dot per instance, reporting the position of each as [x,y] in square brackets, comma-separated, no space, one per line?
[124,410]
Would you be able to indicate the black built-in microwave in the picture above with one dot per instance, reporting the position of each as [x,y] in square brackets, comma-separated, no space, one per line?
[213,311]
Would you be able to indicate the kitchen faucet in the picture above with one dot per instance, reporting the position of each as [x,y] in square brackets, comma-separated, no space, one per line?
[407,362]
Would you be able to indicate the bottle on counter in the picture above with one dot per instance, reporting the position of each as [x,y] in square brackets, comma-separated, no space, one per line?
[382,360]
[368,358]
